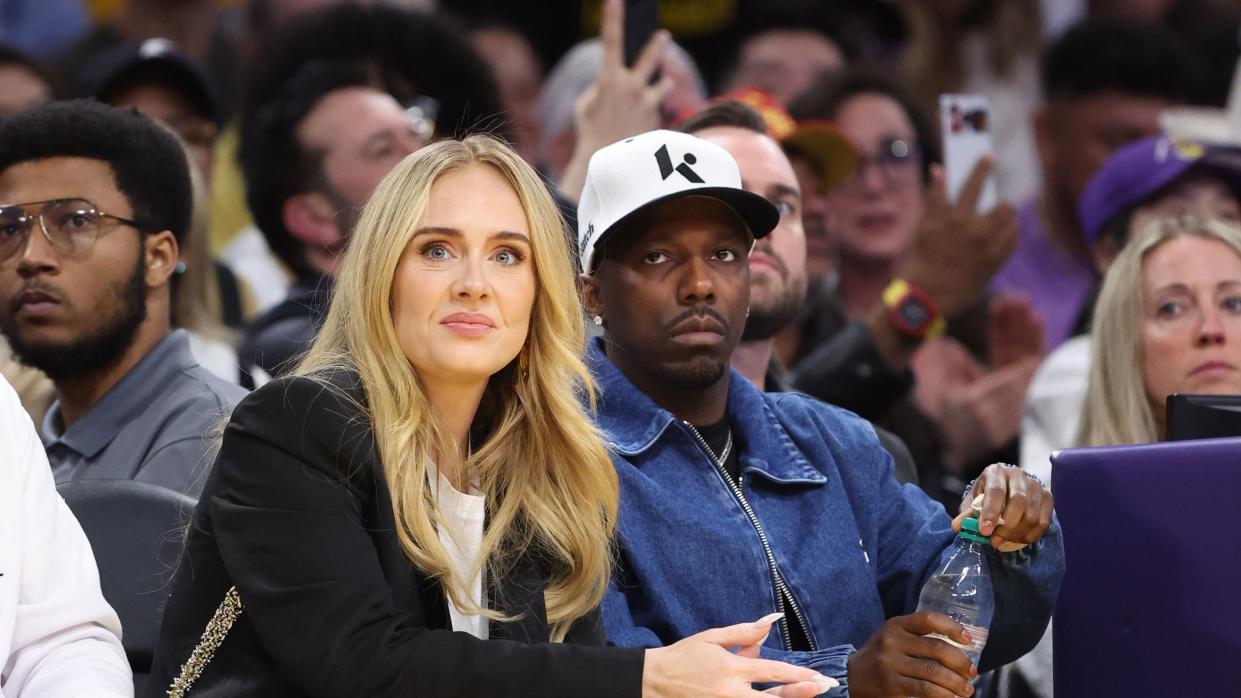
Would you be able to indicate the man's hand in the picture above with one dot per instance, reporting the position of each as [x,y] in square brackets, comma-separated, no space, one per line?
[957,250]
[622,102]
[897,661]
[979,416]
[1015,507]
[1014,330]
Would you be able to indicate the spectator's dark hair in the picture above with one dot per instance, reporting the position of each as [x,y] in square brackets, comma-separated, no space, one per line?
[407,53]
[13,56]
[827,94]
[1108,56]
[816,18]
[275,164]
[727,113]
[148,163]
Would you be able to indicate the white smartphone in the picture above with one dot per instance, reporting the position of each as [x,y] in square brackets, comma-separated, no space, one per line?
[965,121]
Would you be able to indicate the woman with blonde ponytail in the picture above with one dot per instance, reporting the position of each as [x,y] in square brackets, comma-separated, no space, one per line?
[424,508]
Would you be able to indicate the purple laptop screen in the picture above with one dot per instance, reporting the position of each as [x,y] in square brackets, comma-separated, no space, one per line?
[1151,600]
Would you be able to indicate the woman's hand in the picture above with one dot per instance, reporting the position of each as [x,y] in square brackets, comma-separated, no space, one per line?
[704,666]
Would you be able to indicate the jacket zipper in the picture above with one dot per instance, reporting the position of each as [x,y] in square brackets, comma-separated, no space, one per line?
[782,590]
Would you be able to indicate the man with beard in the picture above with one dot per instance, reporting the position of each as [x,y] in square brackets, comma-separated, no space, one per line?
[311,154]
[778,502]
[95,201]
[337,98]
[778,261]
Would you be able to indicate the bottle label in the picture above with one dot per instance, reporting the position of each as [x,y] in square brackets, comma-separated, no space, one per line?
[978,640]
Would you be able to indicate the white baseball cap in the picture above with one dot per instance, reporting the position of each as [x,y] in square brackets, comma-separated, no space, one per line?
[632,174]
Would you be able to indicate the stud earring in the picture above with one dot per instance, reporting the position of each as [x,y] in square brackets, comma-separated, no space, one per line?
[598,319]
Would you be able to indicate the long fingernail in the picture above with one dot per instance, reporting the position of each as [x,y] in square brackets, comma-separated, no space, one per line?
[826,683]
[769,619]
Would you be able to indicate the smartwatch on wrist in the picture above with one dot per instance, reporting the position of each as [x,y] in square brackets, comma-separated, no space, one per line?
[912,312]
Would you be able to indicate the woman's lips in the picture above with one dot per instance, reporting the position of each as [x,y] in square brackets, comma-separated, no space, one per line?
[1211,368]
[876,222]
[469,324]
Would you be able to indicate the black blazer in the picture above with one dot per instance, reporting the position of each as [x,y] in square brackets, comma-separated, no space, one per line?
[297,514]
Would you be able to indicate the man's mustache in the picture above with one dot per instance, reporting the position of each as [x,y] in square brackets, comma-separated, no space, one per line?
[700,311]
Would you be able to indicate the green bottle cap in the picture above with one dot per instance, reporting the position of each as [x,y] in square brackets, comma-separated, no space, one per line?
[969,531]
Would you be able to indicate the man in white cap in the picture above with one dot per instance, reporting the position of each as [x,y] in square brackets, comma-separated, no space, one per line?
[735,501]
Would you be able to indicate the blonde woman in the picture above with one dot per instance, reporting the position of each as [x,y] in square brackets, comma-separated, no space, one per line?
[424,508]
[1168,320]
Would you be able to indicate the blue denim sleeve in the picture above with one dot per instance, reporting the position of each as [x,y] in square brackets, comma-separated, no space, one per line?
[912,533]
[829,661]
[915,535]
[1025,583]
[619,625]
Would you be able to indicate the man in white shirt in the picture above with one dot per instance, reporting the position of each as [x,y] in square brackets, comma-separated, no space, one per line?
[59,638]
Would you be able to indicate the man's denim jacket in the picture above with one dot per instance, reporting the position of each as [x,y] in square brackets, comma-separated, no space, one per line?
[853,545]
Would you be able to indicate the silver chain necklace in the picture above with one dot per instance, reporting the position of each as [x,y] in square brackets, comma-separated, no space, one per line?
[728,445]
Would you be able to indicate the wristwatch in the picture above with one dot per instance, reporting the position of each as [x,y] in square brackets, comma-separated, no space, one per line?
[912,312]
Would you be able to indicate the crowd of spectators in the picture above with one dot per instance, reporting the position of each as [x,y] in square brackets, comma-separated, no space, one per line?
[184,187]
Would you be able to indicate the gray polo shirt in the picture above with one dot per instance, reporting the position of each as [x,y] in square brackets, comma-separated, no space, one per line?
[155,425]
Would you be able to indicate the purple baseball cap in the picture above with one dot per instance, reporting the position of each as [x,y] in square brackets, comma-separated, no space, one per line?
[1137,171]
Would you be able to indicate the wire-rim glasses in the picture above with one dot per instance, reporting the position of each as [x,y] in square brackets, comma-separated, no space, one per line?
[70,225]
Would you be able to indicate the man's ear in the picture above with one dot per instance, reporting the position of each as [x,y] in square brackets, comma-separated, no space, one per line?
[590,294]
[311,218]
[161,254]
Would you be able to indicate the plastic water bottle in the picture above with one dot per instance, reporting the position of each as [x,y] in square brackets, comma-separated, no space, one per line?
[961,590]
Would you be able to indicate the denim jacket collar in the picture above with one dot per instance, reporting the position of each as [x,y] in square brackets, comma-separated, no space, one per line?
[632,423]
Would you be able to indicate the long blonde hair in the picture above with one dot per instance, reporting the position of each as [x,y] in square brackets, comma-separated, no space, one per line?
[547,478]
[1117,410]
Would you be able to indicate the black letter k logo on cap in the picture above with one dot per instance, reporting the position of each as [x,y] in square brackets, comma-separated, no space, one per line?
[666,169]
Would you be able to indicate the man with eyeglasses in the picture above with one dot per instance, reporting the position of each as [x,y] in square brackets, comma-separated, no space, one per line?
[311,155]
[336,100]
[94,201]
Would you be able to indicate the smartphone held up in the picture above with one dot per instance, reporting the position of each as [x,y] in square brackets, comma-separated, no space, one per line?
[641,23]
[965,123]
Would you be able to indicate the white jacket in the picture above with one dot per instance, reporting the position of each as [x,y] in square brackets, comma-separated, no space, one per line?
[1053,405]
[59,638]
